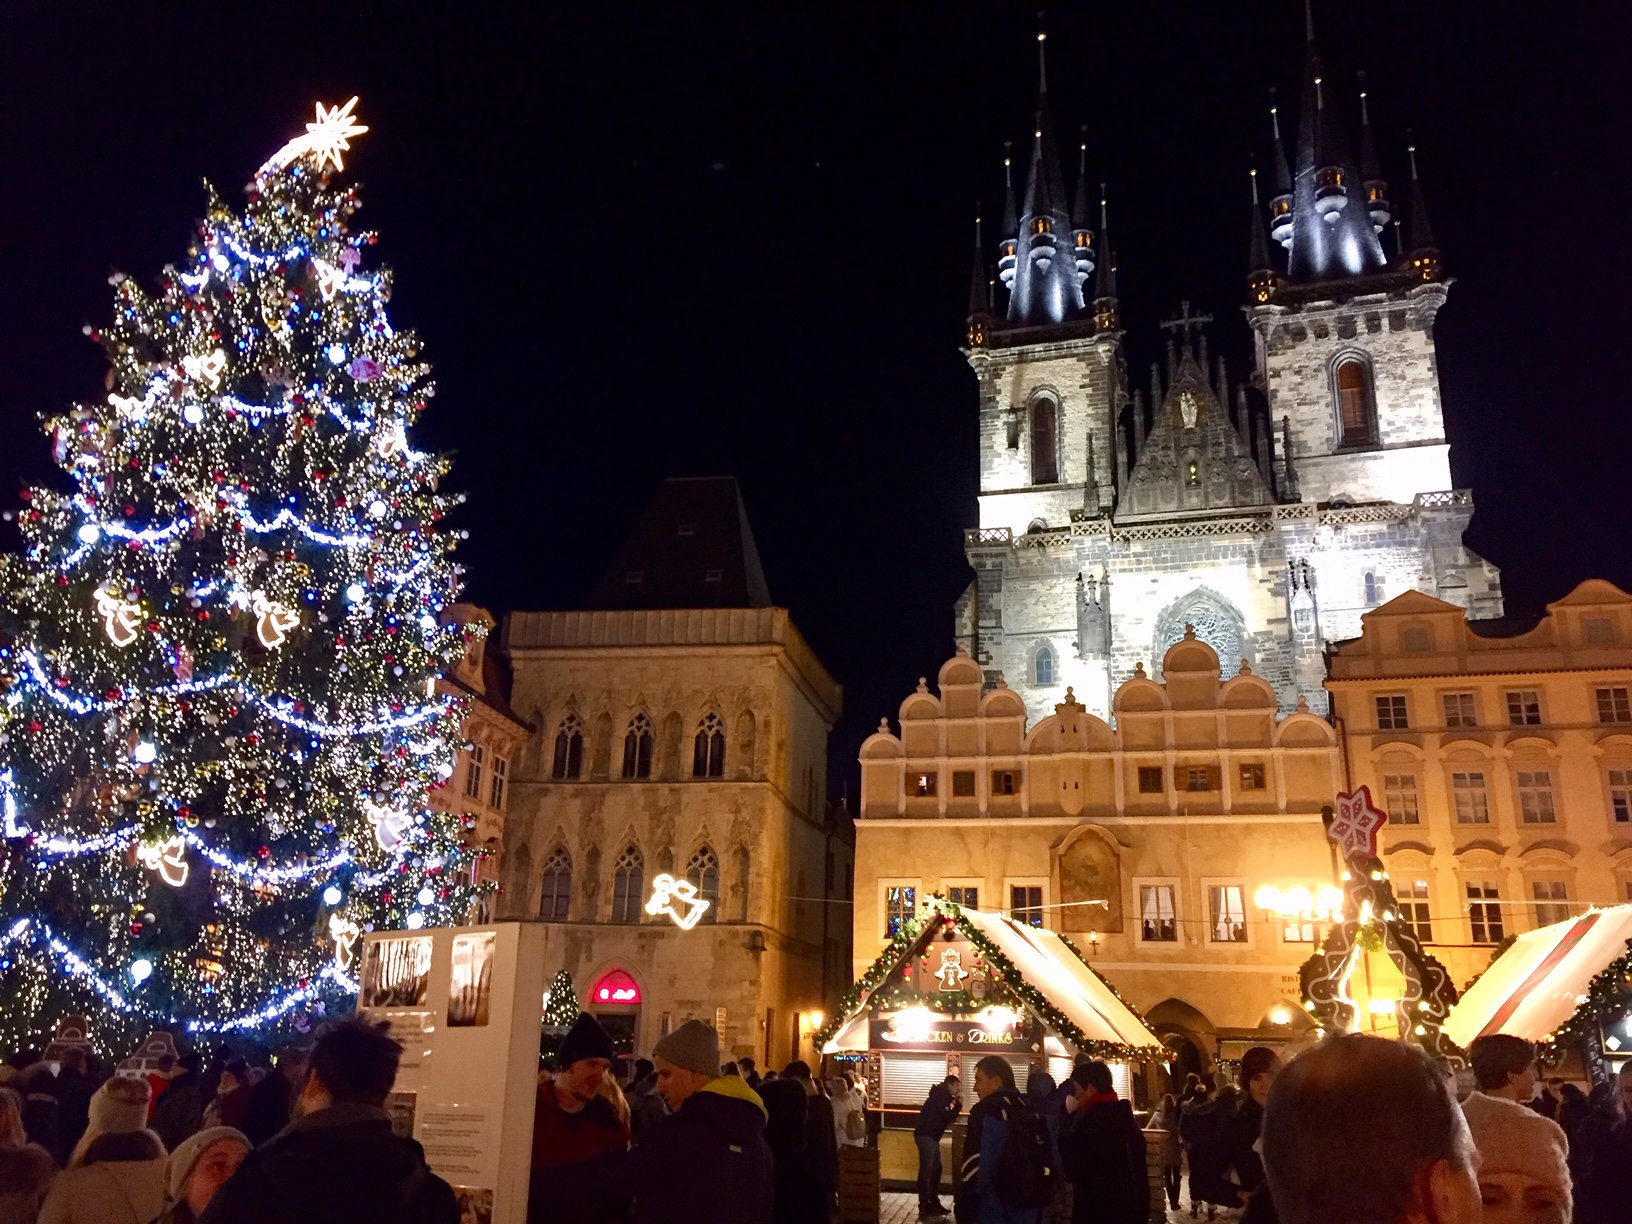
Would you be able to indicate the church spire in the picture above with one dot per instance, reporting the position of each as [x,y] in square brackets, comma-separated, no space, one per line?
[1105,310]
[1011,226]
[979,301]
[1082,236]
[1280,206]
[1046,288]
[1423,252]
[1371,170]
[1332,234]
[1260,272]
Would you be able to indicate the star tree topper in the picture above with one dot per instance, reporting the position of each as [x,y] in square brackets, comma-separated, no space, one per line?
[1356,823]
[327,139]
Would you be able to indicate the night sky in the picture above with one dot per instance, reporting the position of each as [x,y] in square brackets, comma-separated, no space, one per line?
[689,239]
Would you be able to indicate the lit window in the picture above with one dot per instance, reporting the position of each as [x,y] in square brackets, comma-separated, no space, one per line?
[1458,709]
[963,783]
[637,748]
[1485,912]
[703,870]
[1252,777]
[557,898]
[1158,919]
[1620,795]
[1472,806]
[924,787]
[966,895]
[1042,668]
[900,905]
[1227,914]
[1026,904]
[1614,705]
[1523,708]
[1002,782]
[708,749]
[1535,796]
[1391,713]
[501,777]
[1192,474]
[569,749]
[1400,798]
[1354,404]
[1045,461]
[1150,779]
[473,771]
[628,885]
[1552,898]
[1412,896]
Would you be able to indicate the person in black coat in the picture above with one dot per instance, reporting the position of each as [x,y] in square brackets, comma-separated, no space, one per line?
[1102,1152]
[934,1116]
[338,1162]
[1231,1144]
[181,1108]
[266,1110]
[75,1087]
[821,1133]
[800,1197]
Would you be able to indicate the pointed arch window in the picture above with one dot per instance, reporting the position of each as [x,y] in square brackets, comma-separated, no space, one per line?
[637,748]
[708,750]
[628,885]
[1373,589]
[1356,405]
[569,749]
[703,870]
[1045,444]
[557,896]
[1042,666]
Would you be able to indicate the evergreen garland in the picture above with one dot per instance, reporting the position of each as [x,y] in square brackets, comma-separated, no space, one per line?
[1609,992]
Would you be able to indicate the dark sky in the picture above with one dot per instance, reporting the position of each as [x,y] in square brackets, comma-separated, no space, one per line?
[692,239]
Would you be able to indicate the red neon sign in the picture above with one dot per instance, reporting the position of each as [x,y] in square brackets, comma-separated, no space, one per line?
[616,987]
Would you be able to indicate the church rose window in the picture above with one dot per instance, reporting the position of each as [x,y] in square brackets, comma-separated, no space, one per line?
[1045,462]
[1355,413]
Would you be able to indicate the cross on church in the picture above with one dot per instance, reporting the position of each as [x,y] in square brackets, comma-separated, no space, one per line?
[1186,320]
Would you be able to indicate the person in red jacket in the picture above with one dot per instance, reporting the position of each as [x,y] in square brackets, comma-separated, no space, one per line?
[571,1121]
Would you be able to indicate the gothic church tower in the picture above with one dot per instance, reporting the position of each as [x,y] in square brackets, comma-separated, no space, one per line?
[1268,515]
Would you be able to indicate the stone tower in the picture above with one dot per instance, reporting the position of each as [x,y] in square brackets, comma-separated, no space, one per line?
[1270,514]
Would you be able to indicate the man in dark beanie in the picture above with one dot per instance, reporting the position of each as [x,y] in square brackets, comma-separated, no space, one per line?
[1238,1134]
[572,1121]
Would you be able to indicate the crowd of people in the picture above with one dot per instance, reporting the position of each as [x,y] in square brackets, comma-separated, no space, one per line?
[1356,1130]
[306,1140]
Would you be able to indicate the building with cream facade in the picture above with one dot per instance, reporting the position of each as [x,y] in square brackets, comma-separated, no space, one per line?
[1504,763]
[1146,841]
[680,729]
[1269,513]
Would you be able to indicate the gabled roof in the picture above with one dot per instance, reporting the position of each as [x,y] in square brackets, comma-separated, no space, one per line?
[692,548]
[1042,971]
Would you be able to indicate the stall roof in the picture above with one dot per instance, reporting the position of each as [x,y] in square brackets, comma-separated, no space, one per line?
[1536,986]
[1042,959]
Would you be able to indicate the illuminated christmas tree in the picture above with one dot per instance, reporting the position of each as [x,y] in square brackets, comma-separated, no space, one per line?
[217,653]
[560,1002]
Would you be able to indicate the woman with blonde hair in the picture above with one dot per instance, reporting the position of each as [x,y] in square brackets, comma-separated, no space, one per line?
[614,1097]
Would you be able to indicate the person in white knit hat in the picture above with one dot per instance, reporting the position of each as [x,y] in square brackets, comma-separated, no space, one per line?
[1524,1172]
[197,1169]
[116,1173]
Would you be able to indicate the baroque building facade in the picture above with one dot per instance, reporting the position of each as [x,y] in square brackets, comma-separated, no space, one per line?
[1504,763]
[1147,841]
[680,728]
[1270,513]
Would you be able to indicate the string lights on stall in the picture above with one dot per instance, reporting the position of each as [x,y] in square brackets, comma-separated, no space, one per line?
[216,739]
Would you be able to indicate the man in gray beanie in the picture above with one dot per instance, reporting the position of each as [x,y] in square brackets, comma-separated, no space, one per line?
[706,1163]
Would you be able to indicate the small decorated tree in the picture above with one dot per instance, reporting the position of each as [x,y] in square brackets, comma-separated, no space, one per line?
[561,1003]
[218,651]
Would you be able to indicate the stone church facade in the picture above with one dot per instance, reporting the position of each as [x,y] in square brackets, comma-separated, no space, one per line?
[1270,513]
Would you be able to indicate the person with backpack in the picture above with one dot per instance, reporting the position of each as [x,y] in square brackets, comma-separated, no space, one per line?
[1102,1152]
[1010,1170]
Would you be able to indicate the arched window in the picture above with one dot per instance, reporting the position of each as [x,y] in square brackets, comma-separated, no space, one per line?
[1045,457]
[557,897]
[1374,589]
[569,749]
[1042,666]
[708,751]
[1356,414]
[637,748]
[703,870]
[628,885]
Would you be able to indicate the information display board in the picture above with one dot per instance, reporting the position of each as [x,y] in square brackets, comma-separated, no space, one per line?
[466,1004]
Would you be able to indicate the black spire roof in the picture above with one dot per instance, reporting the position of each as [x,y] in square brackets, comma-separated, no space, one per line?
[979,302]
[1045,288]
[1422,234]
[692,548]
[1105,284]
[1258,250]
